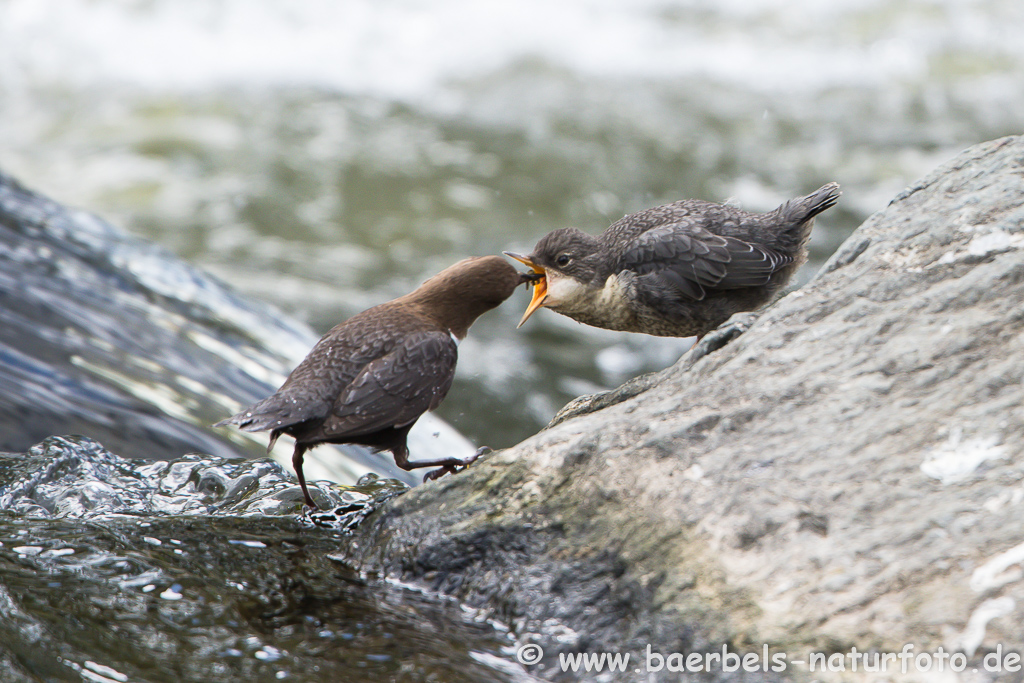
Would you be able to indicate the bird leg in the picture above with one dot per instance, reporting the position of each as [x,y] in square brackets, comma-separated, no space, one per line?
[444,465]
[712,341]
[300,450]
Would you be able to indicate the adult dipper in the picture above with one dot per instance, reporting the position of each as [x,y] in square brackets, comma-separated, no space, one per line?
[370,378]
[676,270]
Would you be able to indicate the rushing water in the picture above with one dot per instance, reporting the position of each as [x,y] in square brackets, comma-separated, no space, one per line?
[110,336]
[200,570]
[326,156]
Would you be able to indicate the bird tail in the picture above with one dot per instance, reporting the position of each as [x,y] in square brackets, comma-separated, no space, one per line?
[803,209]
[249,422]
[797,215]
[234,419]
[252,419]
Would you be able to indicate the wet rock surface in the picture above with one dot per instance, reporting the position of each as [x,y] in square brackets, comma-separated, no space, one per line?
[848,472]
[204,562]
[842,471]
[204,569]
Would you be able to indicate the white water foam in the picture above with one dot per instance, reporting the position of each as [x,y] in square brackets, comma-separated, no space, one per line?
[407,48]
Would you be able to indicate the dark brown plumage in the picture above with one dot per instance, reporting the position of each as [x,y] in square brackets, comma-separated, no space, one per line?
[370,378]
[676,270]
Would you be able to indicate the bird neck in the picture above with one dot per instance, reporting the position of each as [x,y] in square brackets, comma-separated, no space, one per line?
[446,310]
[454,298]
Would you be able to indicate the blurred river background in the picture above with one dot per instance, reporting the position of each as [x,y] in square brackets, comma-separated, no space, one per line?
[328,155]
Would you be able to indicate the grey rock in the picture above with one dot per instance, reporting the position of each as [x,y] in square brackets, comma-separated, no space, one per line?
[849,472]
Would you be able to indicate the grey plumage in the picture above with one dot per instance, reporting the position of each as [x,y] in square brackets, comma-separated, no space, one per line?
[680,269]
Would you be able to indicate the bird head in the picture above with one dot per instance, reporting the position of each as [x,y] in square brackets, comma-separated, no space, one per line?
[564,263]
[464,291]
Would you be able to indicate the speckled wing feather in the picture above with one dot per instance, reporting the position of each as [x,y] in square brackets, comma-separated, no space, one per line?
[395,389]
[312,387]
[690,259]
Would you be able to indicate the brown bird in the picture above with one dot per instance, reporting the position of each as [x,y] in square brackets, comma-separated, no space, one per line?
[676,270]
[370,378]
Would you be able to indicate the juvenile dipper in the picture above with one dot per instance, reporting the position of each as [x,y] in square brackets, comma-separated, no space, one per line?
[675,270]
[370,378]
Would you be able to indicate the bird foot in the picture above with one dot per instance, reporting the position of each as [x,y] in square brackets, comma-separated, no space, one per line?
[707,344]
[457,466]
[438,473]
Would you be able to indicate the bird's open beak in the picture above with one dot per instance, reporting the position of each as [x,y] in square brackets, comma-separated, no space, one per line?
[540,286]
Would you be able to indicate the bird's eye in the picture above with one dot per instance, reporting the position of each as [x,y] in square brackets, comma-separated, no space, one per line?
[563,260]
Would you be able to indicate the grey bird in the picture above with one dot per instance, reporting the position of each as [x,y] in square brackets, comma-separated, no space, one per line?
[370,378]
[676,270]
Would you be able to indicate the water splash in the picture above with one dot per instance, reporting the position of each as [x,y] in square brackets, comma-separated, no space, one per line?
[209,569]
[71,477]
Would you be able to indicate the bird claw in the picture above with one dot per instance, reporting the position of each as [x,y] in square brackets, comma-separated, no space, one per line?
[457,466]
[438,473]
[710,342]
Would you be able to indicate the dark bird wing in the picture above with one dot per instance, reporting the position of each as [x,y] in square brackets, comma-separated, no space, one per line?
[690,259]
[395,389]
[312,387]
